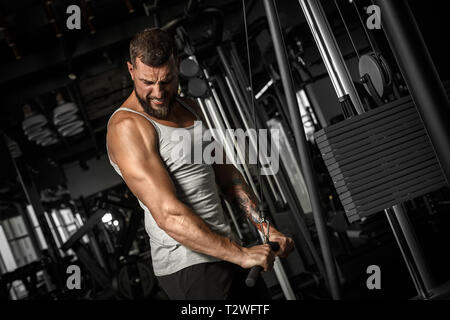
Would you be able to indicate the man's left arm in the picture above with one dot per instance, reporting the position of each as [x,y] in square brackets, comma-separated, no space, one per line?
[238,193]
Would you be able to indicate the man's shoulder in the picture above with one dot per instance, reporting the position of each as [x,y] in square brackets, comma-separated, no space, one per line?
[124,121]
[125,115]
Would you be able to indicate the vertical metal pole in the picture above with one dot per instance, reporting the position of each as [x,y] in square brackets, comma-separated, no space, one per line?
[304,155]
[406,253]
[329,50]
[32,230]
[273,175]
[413,243]
[420,74]
[228,104]
[228,148]
[96,250]
[55,228]
[233,218]
[253,143]
[228,127]
[93,243]
[33,198]
[247,127]
[240,75]
[278,267]
[237,94]
[241,101]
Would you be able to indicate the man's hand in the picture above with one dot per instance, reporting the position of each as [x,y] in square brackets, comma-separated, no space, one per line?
[259,255]
[286,243]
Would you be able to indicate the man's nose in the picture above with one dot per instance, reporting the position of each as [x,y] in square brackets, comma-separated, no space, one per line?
[157,91]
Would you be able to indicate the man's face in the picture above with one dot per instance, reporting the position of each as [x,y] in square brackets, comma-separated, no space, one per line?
[155,87]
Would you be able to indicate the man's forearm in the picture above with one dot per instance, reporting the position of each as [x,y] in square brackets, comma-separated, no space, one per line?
[191,231]
[242,197]
[244,200]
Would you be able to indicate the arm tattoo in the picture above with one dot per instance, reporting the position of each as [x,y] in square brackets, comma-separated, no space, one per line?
[240,195]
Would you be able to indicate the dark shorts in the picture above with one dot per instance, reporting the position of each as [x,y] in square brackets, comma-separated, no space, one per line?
[212,281]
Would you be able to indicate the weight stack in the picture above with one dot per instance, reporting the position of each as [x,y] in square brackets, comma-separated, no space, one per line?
[380,158]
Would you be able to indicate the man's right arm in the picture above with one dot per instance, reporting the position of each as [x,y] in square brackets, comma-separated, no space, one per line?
[132,142]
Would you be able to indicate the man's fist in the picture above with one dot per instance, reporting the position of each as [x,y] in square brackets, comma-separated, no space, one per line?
[286,243]
[259,255]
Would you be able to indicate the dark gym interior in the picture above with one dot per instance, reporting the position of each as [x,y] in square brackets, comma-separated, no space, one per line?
[364,183]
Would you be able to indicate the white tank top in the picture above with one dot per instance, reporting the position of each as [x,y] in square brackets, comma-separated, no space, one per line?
[195,186]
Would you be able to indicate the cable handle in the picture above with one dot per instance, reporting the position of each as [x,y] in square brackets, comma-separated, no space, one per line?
[254,273]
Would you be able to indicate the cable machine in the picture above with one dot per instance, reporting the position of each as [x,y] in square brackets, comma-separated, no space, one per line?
[378,158]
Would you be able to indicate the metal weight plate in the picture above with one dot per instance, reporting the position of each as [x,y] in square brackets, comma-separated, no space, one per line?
[135,281]
[69,128]
[41,134]
[64,109]
[188,68]
[392,109]
[197,87]
[37,120]
[75,131]
[60,121]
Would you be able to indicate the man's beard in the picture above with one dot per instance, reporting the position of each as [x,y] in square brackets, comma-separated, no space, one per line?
[160,113]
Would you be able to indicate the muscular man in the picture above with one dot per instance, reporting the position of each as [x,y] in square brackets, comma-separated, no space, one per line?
[194,253]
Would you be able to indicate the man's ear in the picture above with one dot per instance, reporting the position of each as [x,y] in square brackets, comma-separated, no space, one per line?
[130,69]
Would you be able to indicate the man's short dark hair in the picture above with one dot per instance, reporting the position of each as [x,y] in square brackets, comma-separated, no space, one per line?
[153,46]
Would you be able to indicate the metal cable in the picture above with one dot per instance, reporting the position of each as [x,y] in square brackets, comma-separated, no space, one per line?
[252,99]
[346,29]
[372,46]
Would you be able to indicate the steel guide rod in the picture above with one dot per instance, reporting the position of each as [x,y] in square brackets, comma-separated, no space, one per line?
[277,267]
[250,181]
[406,239]
[254,145]
[304,153]
[329,50]
[295,207]
[230,211]
[240,102]
[289,197]
[233,217]
[228,127]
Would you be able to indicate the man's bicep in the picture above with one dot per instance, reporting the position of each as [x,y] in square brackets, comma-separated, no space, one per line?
[142,168]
